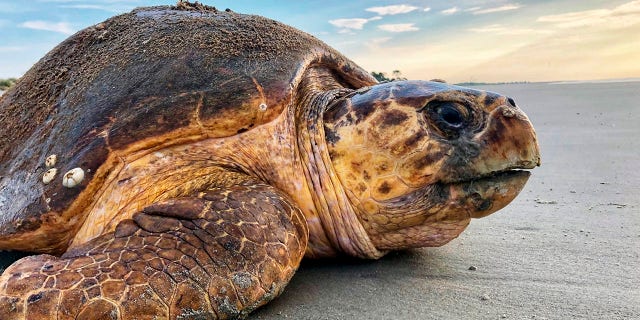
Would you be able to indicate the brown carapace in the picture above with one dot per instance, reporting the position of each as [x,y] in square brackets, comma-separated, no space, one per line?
[179,162]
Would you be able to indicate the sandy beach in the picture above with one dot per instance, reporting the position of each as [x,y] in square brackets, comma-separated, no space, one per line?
[567,248]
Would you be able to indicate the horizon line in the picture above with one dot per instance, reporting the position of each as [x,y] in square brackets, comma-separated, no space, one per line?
[481,83]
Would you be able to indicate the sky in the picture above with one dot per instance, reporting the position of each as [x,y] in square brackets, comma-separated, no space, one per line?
[459,41]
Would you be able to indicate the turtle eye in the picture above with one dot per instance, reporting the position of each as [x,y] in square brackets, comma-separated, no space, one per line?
[450,115]
[450,118]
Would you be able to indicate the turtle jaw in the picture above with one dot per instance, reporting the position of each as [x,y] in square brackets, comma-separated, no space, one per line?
[436,214]
[483,196]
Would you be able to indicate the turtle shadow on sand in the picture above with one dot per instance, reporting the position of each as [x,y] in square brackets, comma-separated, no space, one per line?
[333,288]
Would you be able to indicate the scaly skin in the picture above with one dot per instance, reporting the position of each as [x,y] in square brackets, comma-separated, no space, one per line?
[219,254]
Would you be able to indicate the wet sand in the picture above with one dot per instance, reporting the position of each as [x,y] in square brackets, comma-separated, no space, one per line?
[567,248]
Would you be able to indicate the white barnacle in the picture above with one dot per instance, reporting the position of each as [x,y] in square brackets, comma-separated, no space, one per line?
[508,112]
[51,160]
[73,177]
[263,107]
[49,175]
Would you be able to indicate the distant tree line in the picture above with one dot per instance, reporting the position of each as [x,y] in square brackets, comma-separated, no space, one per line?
[7,83]
[490,83]
[396,75]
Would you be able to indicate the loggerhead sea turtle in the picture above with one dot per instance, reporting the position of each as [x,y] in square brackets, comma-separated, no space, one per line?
[178,162]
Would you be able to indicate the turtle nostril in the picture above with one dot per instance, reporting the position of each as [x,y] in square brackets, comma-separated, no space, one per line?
[511,102]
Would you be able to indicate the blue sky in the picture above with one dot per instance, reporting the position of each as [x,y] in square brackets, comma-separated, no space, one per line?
[467,40]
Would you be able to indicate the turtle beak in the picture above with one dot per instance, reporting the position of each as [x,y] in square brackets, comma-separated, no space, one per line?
[509,142]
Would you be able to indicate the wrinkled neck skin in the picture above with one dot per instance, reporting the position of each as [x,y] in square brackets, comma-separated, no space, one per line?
[302,168]
[334,226]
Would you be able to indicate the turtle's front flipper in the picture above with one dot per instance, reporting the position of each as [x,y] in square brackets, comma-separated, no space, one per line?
[220,254]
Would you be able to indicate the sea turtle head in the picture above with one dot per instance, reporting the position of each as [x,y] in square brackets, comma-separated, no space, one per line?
[419,159]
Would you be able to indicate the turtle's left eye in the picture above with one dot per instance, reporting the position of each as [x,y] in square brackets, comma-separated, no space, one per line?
[449,117]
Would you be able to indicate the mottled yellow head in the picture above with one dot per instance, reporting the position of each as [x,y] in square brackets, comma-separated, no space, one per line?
[419,159]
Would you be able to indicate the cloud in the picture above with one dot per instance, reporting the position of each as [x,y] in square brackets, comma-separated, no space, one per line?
[506,7]
[355,23]
[427,9]
[348,25]
[506,51]
[61,27]
[621,16]
[400,27]
[434,58]
[499,29]
[567,54]
[488,29]
[392,10]
[346,31]
[375,43]
[450,11]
